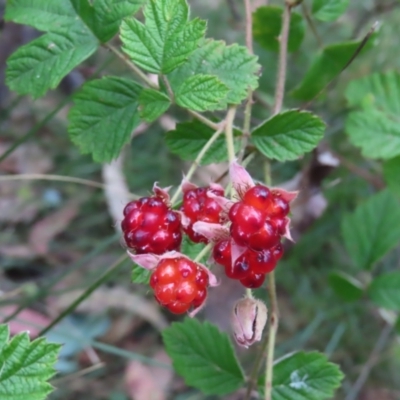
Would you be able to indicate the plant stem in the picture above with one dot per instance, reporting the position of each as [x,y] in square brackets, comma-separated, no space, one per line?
[310,22]
[131,65]
[102,279]
[283,40]
[230,116]
[203,252]
[198,159]
[204,120]
[273,329]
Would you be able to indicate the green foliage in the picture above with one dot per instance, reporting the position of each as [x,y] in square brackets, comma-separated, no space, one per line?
[305,376]
[288,135]
[375,129]
[325,67]
[189,138]
[192,249]
[200,92]
[25,366]
[391,171]
[166,39]
[267,26]
[373,229]
[329,10]
[153,104]
[104,115]
[345,286]
[140,275]
[232,65]
[203,356]
[384,291]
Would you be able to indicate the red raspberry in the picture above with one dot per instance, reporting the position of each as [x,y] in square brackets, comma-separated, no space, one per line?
[222,253]
[197,206]
[179,283]
[277,252]
[253,280]
[150,226]
[261,262]
[240,269]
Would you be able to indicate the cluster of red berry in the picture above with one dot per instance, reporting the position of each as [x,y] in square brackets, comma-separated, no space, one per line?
[248,249]
[258,222]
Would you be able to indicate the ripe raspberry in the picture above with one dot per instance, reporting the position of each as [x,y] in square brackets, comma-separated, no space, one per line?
[150,226]
[179,284]
[222,253]
[253,280]
[197,206]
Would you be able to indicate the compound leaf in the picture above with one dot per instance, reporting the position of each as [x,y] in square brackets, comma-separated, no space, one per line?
[376,129]
[25,366]
[373,229]
[267,26]
[104,115]
[166,39]
[288,135]
[233,65]
[214,368]
[384,291]
[153,104]
[329,10]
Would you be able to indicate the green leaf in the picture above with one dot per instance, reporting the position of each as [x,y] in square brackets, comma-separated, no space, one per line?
[25,366]
[329,10]
[232,65]
[192,249]
[41,64]
[188,139]
[267,26]
[305,376]
[214,368]
[104,115]
[391,172]
[43,15]
[166,39]
[384,291]
[153,104]
[376,129]
[288,135]
[326,66]
[201,92]
[140,275]
[345,286]
[373,229]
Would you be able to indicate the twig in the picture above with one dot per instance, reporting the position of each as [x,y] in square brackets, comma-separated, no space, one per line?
[204,119]
[230,116]
[131,65]
[362,378]
[273,329]
[198,159]
[311,24]
[283,39]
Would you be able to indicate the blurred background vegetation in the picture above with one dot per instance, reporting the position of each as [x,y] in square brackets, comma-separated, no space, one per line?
[56,237]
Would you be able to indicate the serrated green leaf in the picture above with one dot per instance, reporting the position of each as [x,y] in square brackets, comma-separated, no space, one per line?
[103,116]
[288,135]
[201,92]
[153,104]
[391,172]
[326,66]
[43,15]
[140,275]
[329,10]
[232,65]
[384,291]
[376,129]
[192,249]
[305,376]
[214,368]
[267,26]
[25,366]
[41,64]
[166,39]
[345,286]
[188,139]
[373,229]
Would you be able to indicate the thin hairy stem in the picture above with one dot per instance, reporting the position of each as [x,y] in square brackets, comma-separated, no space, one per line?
[204,120]
[230,116]
[311,24]
[136,70]
[196,162]
[283,46]
[203,252]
